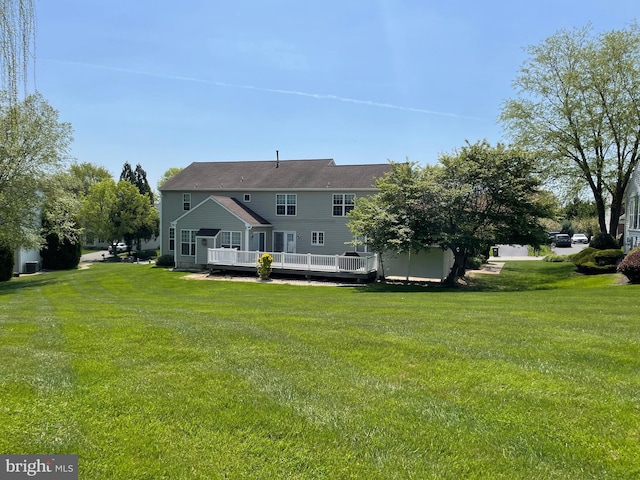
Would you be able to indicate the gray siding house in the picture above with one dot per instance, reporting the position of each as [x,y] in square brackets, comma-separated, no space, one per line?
[632,213]
[291,206]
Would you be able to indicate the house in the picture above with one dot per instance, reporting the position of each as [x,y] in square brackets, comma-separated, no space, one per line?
[632,212]
[290,206]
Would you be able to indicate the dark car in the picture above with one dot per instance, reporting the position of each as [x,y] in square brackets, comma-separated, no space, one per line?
[562,240]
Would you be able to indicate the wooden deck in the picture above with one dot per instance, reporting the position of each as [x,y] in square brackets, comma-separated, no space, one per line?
[343,266]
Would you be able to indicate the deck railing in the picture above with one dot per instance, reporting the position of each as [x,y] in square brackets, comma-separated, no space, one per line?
[295,261]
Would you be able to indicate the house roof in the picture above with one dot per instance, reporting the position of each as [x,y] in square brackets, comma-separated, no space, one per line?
[289,174]
[242,212]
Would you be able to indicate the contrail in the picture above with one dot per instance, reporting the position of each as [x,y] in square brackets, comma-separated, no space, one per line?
[317,96]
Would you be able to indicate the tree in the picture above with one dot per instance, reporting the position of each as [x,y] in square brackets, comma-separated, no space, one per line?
[150,228]
[390,220]
[579,108]
[17,37]
[167,175]
[114,211]
[488,195]
[82,176]
[33,145]
[479,196]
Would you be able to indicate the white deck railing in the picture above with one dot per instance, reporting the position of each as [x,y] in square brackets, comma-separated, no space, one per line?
[294,261]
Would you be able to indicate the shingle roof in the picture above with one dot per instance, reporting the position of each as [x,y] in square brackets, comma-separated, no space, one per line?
[289,174]
[242,212]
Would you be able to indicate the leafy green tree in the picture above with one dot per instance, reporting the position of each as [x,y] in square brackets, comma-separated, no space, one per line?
[578,106]
[82,176]
[488,195]
[33,146]
[167,175]
[391,220]
[479,196]
[116,211]
[151,227]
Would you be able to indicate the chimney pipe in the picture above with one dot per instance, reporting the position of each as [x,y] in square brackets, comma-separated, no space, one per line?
[277,159]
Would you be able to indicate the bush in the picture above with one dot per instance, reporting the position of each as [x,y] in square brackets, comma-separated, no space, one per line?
[596,261]
[630,266]
[57,255]
[165,261]
[603,241]
[148,254]
[264,266]
[6,262]
[474,263]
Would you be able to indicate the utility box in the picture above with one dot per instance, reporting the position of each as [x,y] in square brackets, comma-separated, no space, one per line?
[30,267]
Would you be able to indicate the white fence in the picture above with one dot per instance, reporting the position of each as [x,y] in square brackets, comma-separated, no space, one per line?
[295,261]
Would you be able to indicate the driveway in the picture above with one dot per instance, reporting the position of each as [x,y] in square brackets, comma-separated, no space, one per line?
[96,256]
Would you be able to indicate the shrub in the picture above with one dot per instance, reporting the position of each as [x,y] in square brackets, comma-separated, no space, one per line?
[6,262]
[148,254]
[630,266]
[474,263]
[603,241]
[165,261]
[264,266]
[57,255]
[596,261]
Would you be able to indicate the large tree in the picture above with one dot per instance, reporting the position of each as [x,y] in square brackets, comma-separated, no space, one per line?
[476,197]
[33,145]
[148,229]
[578,106]
[115,211]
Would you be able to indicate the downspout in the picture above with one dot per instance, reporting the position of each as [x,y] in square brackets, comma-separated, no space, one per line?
[247,235]
[175,244]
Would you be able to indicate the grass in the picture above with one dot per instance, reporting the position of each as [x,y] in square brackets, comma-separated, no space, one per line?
[531,374]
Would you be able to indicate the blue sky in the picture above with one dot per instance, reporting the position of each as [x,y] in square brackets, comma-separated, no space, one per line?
[164,84]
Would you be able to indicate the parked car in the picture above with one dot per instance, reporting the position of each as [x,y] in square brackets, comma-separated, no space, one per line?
[120,247]
[562,240]
[552,237]
[579,238]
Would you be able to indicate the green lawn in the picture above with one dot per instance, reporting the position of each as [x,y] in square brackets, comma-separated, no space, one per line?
[531,374]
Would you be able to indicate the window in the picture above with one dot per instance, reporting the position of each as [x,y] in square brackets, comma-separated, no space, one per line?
[286,204]
[172,238]
[231,240]
[188,242]
[635,213]
[317,238]
[247,197]
[186,201]
[343,203]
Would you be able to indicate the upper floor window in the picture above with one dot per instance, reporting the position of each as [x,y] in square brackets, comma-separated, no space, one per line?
[186,201]
[286,204]
[343,203]
[247,197]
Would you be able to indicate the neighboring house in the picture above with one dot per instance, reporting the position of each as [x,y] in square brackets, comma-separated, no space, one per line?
[632,212]
[292,206]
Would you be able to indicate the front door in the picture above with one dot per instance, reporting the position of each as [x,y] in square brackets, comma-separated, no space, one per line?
[284,242]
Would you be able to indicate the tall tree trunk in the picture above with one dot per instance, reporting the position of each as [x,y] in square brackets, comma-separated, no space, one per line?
[458,269]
